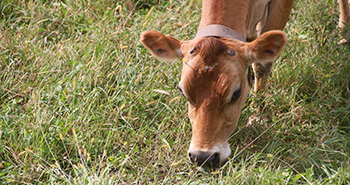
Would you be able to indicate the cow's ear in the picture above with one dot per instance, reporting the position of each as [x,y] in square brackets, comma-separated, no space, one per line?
[164,47]
[267,47]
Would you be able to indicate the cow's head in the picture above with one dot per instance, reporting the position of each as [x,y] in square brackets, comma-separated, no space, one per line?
[214,81]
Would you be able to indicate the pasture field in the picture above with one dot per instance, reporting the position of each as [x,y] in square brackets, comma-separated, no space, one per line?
[83,102]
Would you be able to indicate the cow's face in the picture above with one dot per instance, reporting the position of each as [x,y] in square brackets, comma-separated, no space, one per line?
[214,81]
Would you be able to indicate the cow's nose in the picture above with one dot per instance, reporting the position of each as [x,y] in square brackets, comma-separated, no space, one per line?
[206,159]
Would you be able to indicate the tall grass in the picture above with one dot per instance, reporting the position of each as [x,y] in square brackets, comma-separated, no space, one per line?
[82,102]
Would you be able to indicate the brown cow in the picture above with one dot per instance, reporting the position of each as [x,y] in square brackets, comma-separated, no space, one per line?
[214,75]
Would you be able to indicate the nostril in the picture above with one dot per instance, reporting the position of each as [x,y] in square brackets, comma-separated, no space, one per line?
[217,155]
[213,160]
[192,158]
[213,157]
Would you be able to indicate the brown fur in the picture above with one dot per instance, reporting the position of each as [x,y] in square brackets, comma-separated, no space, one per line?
[230,13]
[209,48]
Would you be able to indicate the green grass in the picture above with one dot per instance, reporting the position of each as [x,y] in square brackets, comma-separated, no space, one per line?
[80,100]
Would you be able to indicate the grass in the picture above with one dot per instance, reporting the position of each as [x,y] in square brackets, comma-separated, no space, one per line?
[83,102]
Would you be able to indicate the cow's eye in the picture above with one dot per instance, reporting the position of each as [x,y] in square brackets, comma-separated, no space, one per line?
[235,95]
[178,88]
[183,94]
[192,50]
[230,52]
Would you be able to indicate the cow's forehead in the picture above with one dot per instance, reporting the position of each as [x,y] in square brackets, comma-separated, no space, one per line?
[215,75]
[210,57]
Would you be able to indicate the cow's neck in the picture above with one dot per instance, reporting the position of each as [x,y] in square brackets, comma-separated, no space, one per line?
[230,13]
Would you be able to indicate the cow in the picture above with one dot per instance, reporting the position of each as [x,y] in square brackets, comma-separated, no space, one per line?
[232,36]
